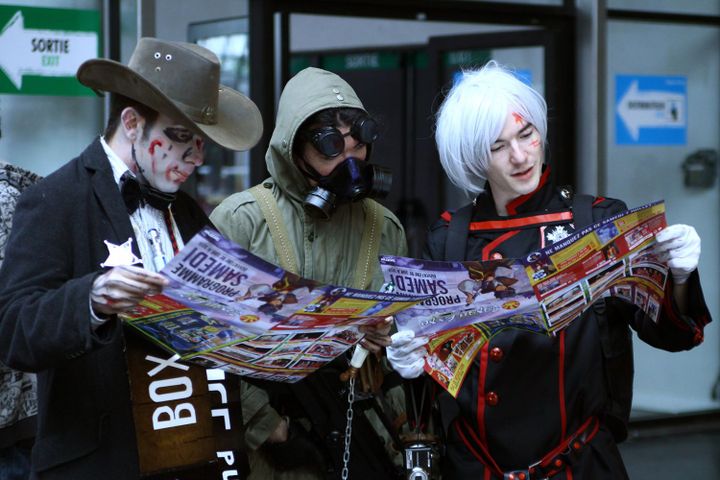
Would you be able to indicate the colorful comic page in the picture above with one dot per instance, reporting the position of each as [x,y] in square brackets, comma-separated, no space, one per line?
[464,293]
[226,308]
[450,355]
[542,293]
[609,258]
[287,357]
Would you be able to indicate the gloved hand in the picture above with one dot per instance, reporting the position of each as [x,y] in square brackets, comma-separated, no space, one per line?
[679,245]
[407,353]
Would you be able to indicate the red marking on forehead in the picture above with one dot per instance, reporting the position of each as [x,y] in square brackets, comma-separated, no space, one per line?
[153,144]
[518,118]
[199,143]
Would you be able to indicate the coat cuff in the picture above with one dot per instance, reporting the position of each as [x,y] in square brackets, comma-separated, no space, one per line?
[698,314]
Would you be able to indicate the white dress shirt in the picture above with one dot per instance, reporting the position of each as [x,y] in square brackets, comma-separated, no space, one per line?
[149,226]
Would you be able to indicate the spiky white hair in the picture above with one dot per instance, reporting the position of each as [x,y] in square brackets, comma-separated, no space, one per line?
[472,117]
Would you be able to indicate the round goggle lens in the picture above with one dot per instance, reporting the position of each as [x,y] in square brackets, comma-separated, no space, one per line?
[365,130]
[331,144]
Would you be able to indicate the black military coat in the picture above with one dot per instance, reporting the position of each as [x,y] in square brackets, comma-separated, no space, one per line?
[528,394]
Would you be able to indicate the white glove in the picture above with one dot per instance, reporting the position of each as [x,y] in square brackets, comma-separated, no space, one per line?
[680,246]
[407,353]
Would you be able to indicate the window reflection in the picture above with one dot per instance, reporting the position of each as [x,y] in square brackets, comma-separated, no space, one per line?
[224,172]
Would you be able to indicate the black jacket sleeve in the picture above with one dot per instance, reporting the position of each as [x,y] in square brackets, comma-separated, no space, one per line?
[44,288]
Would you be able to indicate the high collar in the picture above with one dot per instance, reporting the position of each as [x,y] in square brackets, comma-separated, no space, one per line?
[528,203]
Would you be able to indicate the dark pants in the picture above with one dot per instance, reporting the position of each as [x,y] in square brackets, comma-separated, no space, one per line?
[15,463]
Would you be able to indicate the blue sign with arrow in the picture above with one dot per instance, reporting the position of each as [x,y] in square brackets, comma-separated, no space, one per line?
[650,110]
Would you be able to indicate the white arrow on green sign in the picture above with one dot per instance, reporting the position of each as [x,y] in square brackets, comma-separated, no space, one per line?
[44,60]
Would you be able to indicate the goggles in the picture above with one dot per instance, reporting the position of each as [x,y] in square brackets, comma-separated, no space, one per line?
[330,142]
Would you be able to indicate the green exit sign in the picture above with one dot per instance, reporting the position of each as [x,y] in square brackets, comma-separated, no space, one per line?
[42,48]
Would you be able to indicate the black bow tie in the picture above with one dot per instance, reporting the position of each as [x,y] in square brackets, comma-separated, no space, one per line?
[134,192]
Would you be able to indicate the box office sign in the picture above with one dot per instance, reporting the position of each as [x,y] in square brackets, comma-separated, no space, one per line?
[188,419]
[42,48]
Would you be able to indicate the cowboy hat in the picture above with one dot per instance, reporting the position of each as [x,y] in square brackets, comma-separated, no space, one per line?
[182,81]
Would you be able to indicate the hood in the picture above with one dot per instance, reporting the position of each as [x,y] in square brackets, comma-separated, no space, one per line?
[308,92]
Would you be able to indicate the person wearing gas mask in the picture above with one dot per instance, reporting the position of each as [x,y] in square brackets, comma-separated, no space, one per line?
[315,216]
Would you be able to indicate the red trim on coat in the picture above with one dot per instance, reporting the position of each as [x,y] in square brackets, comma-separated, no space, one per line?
[562,446]
[521,222]
[561,385]
[487,249]
[482,376]
[514,222]
[598,200]
[512,206]
[483,455]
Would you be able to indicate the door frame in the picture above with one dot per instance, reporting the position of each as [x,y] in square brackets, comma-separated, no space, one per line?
[269,46]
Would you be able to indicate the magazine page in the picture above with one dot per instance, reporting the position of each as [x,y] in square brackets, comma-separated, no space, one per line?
[226,308]
[609,258]
[542,293]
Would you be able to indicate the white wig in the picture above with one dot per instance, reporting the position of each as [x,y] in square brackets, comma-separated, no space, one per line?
[472,118]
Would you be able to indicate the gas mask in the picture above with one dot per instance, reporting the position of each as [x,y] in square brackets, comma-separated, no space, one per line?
[350,181]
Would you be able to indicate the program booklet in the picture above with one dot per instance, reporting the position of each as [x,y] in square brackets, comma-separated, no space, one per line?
[542,293]
[229,309]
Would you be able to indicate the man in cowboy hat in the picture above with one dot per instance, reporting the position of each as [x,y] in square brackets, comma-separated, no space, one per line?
[88,240]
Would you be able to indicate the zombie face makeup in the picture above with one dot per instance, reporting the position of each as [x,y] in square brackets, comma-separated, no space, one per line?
[167,154]
[516,160]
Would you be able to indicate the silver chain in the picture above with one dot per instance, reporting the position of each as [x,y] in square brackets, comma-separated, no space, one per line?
[348,427]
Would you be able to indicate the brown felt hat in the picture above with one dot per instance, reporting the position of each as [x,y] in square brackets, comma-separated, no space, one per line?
[180,80]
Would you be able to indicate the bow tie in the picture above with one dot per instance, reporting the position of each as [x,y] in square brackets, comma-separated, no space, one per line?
[134,192]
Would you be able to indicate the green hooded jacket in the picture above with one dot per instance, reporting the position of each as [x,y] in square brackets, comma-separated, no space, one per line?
[326,250]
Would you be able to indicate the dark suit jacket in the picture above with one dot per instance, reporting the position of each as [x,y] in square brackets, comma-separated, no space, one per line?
[85,427]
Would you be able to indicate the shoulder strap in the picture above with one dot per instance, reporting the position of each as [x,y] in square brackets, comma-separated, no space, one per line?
[457,234]
[369,245]
[278,232]
[582,210]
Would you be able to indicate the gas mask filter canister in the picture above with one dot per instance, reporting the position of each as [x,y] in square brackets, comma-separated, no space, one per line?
[350,181]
